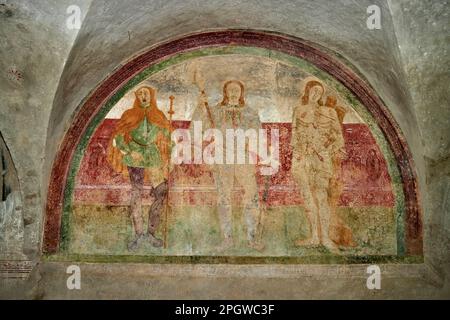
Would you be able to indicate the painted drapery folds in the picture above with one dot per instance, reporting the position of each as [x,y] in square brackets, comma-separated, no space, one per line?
[234,153]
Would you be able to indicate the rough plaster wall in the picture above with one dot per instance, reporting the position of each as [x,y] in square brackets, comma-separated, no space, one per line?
[423,32]
[33,36]
[35,42]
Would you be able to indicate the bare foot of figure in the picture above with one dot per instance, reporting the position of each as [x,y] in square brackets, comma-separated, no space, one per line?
[225,245]
[154,241]
[256,245]
[330,245]
[134,244]
[308,242]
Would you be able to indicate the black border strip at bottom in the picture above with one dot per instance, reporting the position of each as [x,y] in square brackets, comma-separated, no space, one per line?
[222,309]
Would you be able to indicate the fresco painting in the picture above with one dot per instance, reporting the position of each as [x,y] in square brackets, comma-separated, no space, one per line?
[332,189]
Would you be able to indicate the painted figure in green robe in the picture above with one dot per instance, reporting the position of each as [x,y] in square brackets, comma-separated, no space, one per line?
[140,149]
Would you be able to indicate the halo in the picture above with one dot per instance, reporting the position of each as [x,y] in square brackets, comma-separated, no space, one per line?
[304,81]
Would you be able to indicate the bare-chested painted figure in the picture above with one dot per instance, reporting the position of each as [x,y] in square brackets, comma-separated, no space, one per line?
[317,140]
